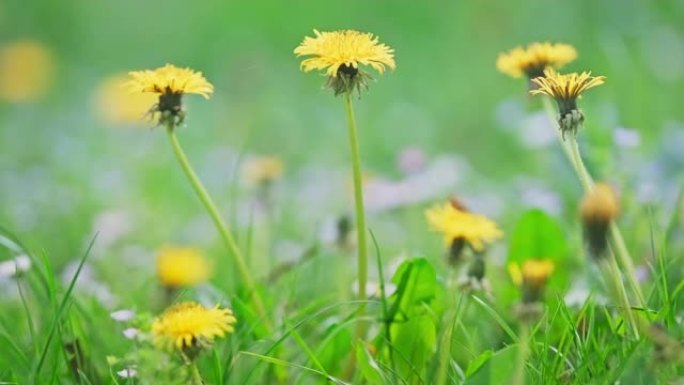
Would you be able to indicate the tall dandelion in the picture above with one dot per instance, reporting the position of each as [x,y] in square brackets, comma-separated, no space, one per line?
[342,55]
[170,84]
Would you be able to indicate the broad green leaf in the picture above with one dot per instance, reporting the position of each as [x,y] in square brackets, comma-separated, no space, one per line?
[536,236]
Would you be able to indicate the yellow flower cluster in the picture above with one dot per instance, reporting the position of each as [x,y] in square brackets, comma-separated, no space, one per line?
[188,325]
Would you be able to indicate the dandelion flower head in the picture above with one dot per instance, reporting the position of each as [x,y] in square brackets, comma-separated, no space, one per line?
[189,325]
[340,53]
[534,59]
[179,267]
[170,79]
[455,223]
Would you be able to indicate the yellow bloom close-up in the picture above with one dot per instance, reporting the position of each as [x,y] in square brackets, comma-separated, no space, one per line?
[454,223]
[178,267]
[115,104]
[189,325]
[534,59]
[27,71]
[565,88]
[348,49]
[170,79]
[170,83]
[340,53]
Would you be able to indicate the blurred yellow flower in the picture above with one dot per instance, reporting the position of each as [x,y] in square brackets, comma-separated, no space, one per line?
[534,59]
[26,71]
[455,223]
[598,209]
[188,326]
[339,53]
[600,204]
[177,267]
[262,170]
[534,272]
[170,83]
[116,105]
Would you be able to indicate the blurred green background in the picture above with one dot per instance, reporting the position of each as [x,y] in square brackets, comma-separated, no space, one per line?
[62,165]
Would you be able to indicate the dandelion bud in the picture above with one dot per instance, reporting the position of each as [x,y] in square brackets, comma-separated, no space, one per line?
[598,209]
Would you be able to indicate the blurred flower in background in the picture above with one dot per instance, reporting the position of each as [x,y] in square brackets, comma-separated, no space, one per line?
[178,267]
[26,71]
[115,104]
[262,170]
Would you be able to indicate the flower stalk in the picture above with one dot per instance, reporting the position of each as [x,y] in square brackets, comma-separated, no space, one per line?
[224,232]
[358,202]
[620,251]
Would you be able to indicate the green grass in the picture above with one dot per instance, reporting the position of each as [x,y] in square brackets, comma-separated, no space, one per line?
[90,202]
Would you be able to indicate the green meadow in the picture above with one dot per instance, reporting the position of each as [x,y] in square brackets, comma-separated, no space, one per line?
[150,235]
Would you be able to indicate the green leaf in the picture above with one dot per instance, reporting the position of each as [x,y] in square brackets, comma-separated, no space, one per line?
[370,370]
[416,282]
[478,362]
[414,341]
[497,369]
[536,236]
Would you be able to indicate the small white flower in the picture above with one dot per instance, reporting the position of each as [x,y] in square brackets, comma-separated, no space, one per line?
[13,267]
[131,333]
[127,373]
[122,315]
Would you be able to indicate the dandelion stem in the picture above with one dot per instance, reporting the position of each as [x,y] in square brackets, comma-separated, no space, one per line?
[223,230]
[614,272]
[523,353]
[196,376]
[571,149]
[358,202]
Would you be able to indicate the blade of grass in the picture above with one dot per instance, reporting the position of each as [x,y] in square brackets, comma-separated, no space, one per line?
[60,312]
[514,337]
[277,361]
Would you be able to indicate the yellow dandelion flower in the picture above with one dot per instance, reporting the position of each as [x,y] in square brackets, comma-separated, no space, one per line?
[340,53]
[115,104]
[598,209]
[189,326]
[457,224]
[566,89]
[534,59]
[262,170]
[178,267]
[532,277]
[26,71]
[170,83]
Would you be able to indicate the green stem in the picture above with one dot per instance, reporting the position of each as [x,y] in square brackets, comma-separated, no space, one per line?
[196,376]
[358,202]
[523,353]
[614,271]
[223,230]
[571,149]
